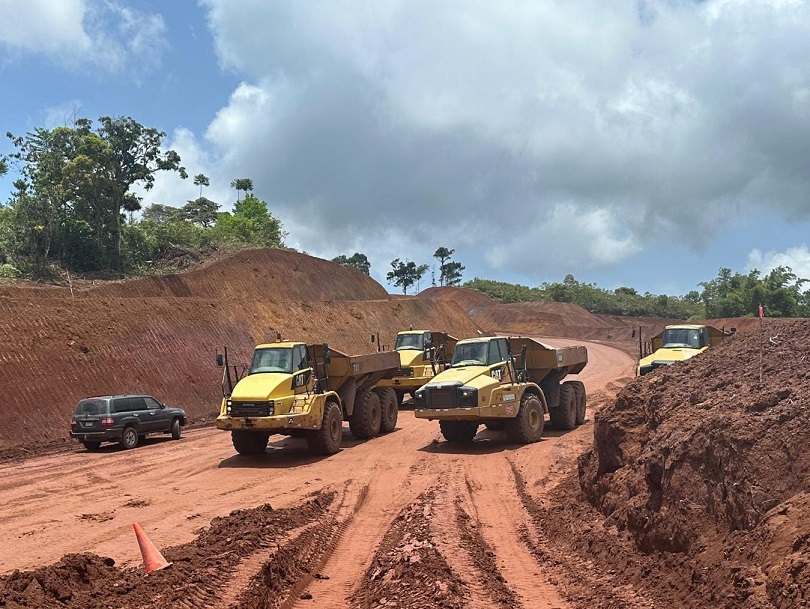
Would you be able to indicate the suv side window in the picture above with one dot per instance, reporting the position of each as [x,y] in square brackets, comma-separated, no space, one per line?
[151,403]
[123,405]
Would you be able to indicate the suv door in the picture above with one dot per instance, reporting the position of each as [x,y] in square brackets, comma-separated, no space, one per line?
[155,417]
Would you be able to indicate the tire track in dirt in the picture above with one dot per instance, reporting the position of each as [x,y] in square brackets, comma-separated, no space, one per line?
[579,578]
[448,535]
[408,570]
[501,514]
[390,487]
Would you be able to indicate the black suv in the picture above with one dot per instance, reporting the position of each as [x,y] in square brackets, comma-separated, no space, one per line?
[124,419]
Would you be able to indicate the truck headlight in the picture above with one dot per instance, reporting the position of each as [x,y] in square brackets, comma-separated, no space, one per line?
[467,396]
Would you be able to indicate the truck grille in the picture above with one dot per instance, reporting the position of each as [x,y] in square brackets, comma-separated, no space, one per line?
[441,398]
[251,409]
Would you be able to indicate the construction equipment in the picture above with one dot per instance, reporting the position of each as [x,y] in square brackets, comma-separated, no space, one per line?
[505,383]
[306,390]
[677,343]
[422,355]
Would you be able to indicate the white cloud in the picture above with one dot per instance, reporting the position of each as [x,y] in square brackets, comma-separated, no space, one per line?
[797,258]
[495,127]
[98,34]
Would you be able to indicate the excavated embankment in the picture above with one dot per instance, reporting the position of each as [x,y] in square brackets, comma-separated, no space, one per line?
[57,349]
[706,465]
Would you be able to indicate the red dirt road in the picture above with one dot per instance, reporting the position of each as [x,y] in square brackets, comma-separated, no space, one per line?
[407,498]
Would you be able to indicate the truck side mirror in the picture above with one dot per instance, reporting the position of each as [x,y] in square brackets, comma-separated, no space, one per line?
[219,360]
[326,357]
[523,355]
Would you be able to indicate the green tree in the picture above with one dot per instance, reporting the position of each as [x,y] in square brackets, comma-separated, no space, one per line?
[405,274]
[202,211]
[250,224]
[161,213]
[356,261]
[3,166]
[449,272]
[201,180]
[241,184]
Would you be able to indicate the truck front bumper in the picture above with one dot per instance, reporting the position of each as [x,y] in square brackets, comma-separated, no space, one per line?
[449,414]
[303,420]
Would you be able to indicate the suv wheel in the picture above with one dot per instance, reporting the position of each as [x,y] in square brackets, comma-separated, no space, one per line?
[129,439]
[92,445]
[175,429]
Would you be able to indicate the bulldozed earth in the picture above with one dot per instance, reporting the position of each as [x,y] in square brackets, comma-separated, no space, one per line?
[687,487]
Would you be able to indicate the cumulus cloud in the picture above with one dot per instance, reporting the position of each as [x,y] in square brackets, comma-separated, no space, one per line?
[796,258]
[99,34]
[496,127]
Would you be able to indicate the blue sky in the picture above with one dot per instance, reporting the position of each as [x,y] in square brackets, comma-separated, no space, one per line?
[642,143]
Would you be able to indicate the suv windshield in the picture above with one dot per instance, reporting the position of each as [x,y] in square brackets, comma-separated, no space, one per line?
[91,407]
[470,354]
[272,359]
[681,337]
[410,341]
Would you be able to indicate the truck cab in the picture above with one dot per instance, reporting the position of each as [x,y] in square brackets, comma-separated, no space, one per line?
[678,343]
[422,355]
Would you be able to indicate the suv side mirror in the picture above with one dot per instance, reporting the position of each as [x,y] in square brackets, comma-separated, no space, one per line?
[219,360]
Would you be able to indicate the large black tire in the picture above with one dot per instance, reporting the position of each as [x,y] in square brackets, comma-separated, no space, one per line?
[129,438]
[249,442]
[551,391]
[459,431]
[175,429]
[92,445]
[565,415]
[496,425]
[326,440]
[366,417]
[527,426]
[389,409]
[582,401]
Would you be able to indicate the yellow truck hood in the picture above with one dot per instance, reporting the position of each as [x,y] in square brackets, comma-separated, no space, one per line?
[410,357]
[263,386]
[675,354]
[472,376]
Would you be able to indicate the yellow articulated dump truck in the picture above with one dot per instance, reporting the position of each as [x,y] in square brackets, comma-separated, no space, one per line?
[678,343]
[422,355]
[505,383]
[306,390]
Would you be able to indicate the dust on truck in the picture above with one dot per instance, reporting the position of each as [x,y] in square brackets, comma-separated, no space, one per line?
[307,390]
[505,383]
[422,355]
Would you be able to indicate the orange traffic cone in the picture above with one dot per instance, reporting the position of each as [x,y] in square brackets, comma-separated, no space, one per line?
[152,558]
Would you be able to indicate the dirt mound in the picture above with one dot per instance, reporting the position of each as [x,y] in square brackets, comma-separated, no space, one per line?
[90,581]
[707,464]
[265,274]
[466,298]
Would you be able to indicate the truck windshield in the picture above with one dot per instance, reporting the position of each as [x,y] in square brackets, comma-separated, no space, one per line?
[410,341]
[272,359]
[470,354]
[681,337]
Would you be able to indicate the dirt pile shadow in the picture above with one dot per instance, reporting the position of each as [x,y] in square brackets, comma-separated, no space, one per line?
[708,464]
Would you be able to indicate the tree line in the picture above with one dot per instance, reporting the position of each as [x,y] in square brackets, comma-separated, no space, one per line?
[74,202]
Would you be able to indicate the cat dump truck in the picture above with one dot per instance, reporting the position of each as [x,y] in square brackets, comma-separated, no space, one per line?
[505,383]
[422,355]
[305,390]
[678,343]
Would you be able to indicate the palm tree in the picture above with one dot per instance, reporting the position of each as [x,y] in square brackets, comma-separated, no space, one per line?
[239,184]
[201,180]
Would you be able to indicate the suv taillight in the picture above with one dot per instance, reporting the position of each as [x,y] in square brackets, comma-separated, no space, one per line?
[107,422]
[73,424]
